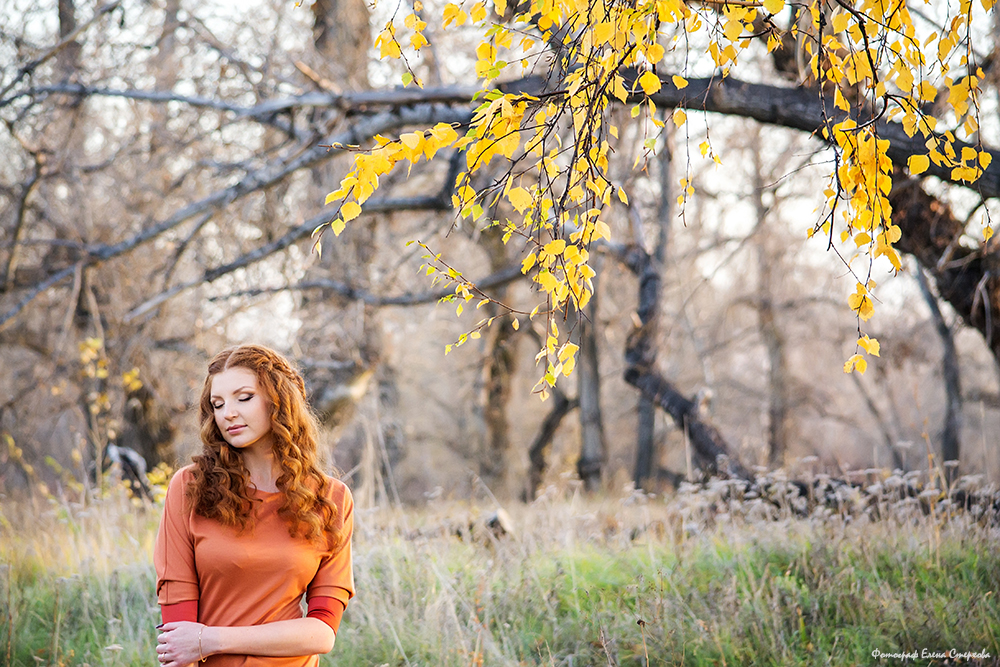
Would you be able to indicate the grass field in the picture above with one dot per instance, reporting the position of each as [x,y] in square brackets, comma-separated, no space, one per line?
[627,580]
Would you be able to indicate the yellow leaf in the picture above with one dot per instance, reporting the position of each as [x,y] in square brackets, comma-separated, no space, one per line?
[733,29]
[680,82]
[840,21]
[774,6]
[650,82]
[679,117]
[603,32]
[988,233]
[412,139]
[869,345]
[567,351]
[918,164]
[857,362]
[520,199]
[350,210]
[554,247]
[527,263]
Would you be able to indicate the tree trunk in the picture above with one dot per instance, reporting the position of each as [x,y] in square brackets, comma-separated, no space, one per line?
[501,360]
[341,33]
[561,406]
[707,442]
[646,458]
[68,59]
[593,452]
[768,263]
[967,278]
[952,435]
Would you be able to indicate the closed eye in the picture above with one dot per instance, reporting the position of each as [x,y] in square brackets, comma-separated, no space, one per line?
[246,398]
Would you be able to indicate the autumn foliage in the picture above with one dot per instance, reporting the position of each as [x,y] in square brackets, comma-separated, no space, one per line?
[870,62]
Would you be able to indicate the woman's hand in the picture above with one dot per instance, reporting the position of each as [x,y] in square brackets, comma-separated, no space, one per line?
[180,644]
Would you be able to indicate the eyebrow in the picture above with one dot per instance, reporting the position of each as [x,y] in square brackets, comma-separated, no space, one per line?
[245,387]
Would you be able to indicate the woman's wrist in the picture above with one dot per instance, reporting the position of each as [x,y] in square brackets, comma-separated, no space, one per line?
[210,643]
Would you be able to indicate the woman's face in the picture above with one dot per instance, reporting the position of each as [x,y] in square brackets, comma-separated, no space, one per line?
[242,411]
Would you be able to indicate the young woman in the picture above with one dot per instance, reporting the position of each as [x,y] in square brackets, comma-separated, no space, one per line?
[251,526]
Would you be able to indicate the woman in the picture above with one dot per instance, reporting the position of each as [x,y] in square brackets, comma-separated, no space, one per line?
[251,526]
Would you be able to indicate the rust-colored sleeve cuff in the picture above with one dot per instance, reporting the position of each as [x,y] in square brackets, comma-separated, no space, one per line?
[327,609]
[181,611]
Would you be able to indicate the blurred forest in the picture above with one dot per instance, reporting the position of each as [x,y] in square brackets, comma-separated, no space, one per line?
[166,162]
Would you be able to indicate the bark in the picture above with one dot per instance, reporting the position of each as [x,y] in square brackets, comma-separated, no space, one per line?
[951,436]
[593,451]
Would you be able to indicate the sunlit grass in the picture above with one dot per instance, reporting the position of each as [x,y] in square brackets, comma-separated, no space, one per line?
[627,581]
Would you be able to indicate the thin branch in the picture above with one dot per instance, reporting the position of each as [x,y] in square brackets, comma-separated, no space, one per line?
[54,50]
[51,281]
[19,215]
[498,279]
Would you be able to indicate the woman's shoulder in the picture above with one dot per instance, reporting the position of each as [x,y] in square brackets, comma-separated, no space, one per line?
[337,491]
[179,482]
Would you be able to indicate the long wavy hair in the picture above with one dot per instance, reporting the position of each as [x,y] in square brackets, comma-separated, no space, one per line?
[220,488]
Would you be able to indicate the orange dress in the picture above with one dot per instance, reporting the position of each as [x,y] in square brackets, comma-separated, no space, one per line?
[252,578]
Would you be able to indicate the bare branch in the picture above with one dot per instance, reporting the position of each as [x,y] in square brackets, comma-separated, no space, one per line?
[360,132]
[20,207]
[54,50]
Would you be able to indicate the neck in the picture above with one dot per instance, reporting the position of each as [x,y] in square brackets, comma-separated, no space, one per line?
[262,466]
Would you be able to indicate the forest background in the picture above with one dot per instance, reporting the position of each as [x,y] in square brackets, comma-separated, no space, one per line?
[166,165]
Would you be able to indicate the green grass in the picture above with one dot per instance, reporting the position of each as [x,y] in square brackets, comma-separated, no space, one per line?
[581,583]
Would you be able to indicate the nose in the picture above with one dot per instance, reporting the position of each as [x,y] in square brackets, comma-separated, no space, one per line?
[229,411]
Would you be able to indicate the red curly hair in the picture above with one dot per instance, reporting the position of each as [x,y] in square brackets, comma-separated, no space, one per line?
[220,488]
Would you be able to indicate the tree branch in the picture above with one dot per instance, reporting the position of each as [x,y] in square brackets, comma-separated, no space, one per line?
[54,50]
[360,132]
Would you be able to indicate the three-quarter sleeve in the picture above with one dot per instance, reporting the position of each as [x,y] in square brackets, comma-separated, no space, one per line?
[173,554]
[335,577]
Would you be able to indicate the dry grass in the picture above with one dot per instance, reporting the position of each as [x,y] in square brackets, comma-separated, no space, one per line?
[630,580]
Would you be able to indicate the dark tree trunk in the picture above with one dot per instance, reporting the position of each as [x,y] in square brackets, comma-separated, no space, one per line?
[592,448]
[952,434]
[69,58]
[707,442]
[561,406]
[967,278]
[646,457]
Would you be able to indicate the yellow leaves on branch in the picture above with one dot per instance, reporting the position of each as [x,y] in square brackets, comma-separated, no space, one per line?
[861,301]
[868,54]
[857,362]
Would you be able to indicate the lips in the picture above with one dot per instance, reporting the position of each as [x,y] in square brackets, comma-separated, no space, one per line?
[233,430]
